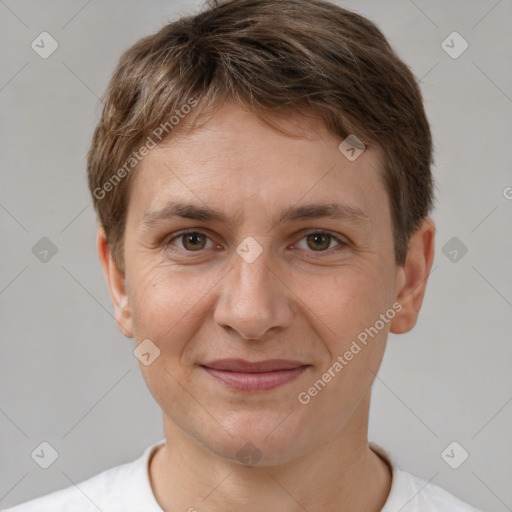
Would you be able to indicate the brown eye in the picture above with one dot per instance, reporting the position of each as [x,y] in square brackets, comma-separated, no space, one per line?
[319,241]
[191,241]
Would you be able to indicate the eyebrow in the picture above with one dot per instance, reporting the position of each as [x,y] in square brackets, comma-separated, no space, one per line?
[292,213]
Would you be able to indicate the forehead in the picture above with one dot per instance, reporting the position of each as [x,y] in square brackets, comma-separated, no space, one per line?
[235,162]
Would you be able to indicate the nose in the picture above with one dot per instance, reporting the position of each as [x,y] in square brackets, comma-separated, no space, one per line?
[253,300]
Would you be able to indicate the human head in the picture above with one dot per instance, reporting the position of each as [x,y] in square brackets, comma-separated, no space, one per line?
[249,160]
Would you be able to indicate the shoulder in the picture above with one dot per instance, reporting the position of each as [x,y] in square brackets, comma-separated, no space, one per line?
[118,489]
[89,495]
[415,494]
[410,493]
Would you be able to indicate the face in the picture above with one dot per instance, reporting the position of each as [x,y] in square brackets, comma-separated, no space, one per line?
[248,245]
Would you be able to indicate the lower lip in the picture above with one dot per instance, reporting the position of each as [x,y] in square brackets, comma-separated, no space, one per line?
[263,381]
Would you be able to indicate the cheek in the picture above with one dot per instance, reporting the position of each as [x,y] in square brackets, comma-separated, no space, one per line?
[165,301]
[344,310]
[344,313]
[166,307]
[345,301]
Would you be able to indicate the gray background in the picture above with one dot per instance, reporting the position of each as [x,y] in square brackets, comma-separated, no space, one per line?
[69,377]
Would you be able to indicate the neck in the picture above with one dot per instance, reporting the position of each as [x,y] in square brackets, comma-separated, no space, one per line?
[342,472]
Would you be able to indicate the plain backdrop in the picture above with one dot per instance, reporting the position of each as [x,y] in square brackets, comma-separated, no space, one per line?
[68,377]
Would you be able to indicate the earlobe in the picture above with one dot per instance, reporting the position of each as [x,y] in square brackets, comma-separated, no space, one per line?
[413,276]
[115,279]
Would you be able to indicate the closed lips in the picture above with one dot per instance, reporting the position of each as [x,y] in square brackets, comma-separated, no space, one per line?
[245,376]
[242,366]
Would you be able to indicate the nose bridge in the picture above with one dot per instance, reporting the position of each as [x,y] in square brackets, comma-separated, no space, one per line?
[252,302]
[252,276]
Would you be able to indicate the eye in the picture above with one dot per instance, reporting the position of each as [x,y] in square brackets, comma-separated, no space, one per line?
[191,241]
[319,241]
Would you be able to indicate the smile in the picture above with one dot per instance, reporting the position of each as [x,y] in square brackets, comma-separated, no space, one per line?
[262,376]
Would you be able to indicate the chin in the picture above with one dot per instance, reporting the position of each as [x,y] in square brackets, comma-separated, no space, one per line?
[259,440]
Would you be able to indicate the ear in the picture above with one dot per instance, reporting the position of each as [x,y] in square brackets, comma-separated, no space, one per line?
[412,277]
[116,284]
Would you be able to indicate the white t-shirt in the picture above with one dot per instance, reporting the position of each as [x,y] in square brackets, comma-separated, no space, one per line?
[126,488]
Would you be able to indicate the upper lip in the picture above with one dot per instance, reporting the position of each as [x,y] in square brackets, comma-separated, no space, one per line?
[240,365]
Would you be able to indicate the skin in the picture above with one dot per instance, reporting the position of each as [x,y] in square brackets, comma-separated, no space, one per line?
[300,299]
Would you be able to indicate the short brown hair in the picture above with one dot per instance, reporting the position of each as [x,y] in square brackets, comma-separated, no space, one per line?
[270,56]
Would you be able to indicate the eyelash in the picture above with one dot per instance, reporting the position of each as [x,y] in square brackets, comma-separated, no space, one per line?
[341,243]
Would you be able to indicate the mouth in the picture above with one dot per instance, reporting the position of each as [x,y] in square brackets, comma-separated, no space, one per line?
[254,376]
